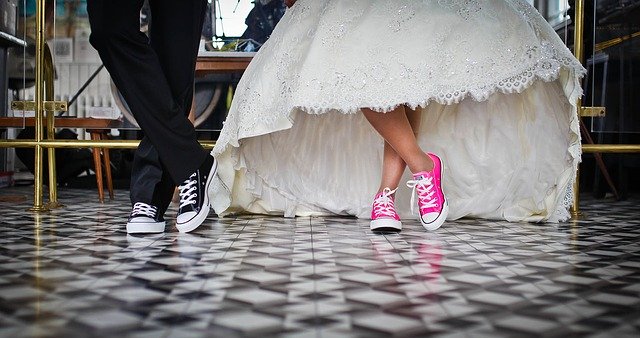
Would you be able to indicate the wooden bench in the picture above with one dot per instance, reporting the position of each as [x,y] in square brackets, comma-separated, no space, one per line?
[97,128]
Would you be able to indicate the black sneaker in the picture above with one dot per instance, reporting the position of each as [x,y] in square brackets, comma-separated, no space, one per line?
[194,197]
[144,219]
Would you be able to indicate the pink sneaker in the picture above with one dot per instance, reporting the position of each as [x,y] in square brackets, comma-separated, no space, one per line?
[383,212]
[427,185]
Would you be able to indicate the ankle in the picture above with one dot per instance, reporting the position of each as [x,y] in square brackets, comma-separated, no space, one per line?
[424,164]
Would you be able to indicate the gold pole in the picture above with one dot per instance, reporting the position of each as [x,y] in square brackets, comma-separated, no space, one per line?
[132,144]
[51,152]
[611,148]
[610,43]
[39,111]
[114,144]
[578,50]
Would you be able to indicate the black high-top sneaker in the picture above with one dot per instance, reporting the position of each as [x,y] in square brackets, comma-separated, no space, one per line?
[194,197]
[144,219]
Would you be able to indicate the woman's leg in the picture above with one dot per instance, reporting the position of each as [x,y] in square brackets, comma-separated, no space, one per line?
[392,164]
[401,145]
[392,168]
[396,129]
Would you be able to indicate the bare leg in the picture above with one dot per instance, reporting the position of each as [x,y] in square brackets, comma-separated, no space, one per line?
[392,168]
[393,165]
[398,128]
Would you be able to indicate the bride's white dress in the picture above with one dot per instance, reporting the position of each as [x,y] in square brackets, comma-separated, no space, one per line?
[496,86]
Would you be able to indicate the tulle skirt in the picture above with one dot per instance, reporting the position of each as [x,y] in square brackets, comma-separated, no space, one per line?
[495,86]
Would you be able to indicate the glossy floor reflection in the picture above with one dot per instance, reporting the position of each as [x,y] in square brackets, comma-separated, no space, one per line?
[75,272]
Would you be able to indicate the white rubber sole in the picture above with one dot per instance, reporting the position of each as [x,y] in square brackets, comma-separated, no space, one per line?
[439,221]
[385,224]
[145,227]
[199,218]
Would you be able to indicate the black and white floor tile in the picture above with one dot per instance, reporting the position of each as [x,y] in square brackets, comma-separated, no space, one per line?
[74,272]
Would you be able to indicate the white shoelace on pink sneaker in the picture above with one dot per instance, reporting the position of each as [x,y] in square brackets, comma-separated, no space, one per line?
[383,206]
[424,188]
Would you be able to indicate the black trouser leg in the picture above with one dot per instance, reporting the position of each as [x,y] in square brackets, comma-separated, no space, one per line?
[156,80]
[150,180]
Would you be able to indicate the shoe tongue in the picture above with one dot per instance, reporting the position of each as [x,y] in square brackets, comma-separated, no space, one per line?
[421,175]
[380,194]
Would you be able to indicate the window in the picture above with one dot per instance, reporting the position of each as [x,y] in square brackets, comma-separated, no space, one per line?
[557,11]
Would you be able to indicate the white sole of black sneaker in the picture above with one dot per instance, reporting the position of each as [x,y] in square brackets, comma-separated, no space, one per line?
[145,227]
[199,218]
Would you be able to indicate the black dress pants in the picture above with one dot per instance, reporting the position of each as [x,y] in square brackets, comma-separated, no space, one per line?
[155,76]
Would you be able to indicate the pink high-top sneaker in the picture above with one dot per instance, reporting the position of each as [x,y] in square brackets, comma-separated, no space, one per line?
[383,212]
[427,185]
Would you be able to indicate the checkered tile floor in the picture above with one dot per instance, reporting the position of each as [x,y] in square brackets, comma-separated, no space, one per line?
[75,272]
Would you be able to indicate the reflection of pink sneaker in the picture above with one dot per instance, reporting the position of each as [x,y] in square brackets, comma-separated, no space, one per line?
[427,185]
[383,212]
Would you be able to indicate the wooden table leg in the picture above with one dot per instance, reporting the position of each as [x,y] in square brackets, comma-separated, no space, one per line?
[98,166]
[107,168]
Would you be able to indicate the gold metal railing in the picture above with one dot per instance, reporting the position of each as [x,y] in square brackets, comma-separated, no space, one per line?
[590,111]
[45,106]
[578,46]
[112,144]
[42,57]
